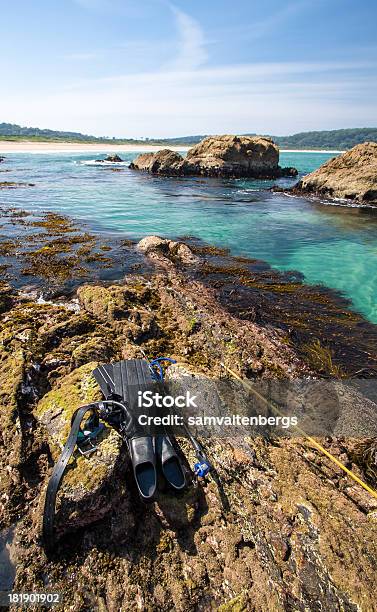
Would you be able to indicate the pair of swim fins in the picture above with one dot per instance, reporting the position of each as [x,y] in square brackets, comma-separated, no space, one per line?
[124,380]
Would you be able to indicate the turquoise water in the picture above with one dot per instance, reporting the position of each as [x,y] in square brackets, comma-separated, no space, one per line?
[331,245]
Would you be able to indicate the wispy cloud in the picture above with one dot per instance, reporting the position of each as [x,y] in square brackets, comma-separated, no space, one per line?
[190,95]
[191,52]
[254,30]
[266,98]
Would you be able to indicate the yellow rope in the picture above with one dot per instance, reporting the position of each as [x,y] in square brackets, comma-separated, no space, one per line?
[304,434]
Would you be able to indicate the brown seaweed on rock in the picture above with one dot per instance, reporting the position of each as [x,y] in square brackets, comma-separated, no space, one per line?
[280,528]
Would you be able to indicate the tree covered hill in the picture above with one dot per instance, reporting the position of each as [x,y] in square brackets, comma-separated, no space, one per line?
[12,131]
[332,139]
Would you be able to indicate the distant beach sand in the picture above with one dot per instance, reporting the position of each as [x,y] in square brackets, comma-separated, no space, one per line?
[75,147]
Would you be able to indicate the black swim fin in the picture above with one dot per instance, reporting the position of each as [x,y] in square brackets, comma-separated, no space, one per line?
[123,380]
[170,463]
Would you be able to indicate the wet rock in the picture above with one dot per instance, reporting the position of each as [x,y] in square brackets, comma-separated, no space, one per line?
[162,162]
[97,348]
[113,158]
[2,159]
[228,156]
[350,176]
[277,527]
[83,496]
[169,248]
[13,185]
[106,304]
[11,379]
[110,158]
[6,297]
[151,243]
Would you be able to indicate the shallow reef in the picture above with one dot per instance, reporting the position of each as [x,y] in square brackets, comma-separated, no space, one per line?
[278,527]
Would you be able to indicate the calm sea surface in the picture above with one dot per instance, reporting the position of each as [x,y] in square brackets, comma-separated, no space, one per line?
[332,245]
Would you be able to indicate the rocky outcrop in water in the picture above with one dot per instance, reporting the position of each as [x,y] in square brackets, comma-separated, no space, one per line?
[219,156]
[111,158]
[162,162]
[350,176]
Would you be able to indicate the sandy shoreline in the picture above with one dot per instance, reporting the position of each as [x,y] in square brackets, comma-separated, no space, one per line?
[75,147]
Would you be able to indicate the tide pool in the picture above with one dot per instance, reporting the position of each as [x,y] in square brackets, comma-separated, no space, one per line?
[331,245]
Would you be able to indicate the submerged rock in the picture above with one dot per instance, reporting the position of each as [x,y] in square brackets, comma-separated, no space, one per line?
[219,156]
[13,185]
[111,158]
[350,176]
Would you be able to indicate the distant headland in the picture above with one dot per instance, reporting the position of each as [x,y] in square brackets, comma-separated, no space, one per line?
[338,140]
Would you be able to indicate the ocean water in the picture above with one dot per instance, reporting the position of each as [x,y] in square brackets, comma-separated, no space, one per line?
[331,245]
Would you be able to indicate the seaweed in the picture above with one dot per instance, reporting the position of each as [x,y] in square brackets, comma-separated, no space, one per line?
[54,223]
[14,185]
[47,265]
[321,358]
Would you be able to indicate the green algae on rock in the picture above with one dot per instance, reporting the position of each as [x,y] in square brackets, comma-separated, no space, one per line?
[278,526]
[53,252]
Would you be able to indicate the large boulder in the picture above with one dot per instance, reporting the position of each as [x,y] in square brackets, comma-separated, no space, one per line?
[85,490]
[233,156]
[350,176]
[155,247]
[162,162]
[223,156]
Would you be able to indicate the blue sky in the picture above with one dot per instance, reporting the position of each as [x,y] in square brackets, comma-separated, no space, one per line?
[159,68]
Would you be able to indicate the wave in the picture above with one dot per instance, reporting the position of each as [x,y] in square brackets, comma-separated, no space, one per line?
[98,162]
[340,202]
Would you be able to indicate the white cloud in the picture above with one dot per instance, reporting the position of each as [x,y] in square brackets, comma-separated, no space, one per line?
[263,27]
[191,46]
[275,98]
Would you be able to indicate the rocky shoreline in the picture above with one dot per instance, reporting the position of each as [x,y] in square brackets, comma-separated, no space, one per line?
[280,528]
[350,177]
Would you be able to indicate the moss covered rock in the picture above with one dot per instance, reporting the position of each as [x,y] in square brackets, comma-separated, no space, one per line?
[106,304]
[84,492]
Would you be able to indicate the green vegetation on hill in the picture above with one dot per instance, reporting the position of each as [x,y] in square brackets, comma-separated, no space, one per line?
[13,132]
[333,139]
